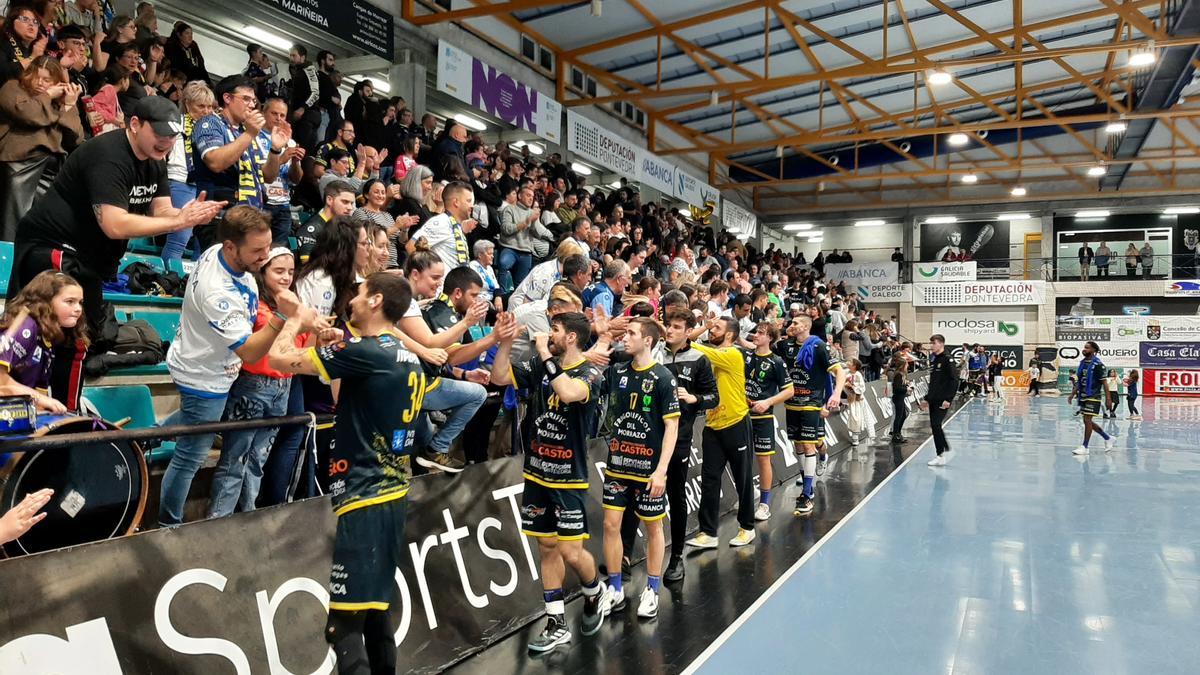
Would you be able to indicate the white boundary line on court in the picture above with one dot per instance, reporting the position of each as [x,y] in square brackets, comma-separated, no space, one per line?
[762,599]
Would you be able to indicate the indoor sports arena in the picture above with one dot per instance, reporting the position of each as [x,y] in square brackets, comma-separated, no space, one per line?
[599,336]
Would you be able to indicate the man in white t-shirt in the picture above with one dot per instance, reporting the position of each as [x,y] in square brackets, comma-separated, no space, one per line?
[581,230]
[216,335]
[446,233]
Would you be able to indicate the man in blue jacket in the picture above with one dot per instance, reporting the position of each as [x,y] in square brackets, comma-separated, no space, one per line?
[1089,387]
[976,365]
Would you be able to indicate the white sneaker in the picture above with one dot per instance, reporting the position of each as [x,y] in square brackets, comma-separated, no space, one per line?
[938,460]
[947,456]
[742,538]
[762,512]
[1109,443]
[702,540]
[1081,450]
[648,606]
[1135,417]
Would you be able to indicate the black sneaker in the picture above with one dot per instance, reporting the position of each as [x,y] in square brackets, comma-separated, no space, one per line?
[675,570]
[440,462]
[626,571]
[554,634]
[594,611]
[804,506]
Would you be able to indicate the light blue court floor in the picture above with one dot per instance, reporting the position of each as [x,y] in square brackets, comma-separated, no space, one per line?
[1017,557]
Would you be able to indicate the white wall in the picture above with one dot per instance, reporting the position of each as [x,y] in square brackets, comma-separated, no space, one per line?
[866,244]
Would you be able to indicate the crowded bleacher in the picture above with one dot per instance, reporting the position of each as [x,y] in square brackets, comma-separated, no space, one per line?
[127,167]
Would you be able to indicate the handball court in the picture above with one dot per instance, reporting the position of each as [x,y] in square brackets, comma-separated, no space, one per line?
[1016,557]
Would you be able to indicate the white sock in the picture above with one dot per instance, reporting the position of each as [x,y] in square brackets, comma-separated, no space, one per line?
[810,465]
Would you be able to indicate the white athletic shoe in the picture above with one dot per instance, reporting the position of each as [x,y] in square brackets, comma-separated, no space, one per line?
[762,512]
[742,538]
[648,606]
[702,540]
[1135,418]
[938,460]
[1109,443]
[1081,450]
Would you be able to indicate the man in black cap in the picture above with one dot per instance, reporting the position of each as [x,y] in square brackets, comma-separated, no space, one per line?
[111,189]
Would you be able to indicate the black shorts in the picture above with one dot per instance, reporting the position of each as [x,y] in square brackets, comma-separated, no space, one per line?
[367,548]
[620,493]
[763,431]
[1090,407]
[551,512]
[806,426]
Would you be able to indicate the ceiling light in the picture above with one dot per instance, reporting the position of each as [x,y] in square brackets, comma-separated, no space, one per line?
[1180,210]
[535,149]
[1013,216]
[715,98]
[793,227]
[596,8]
[870,223]
[1018,191]
[517,144]
[1098,170]
[1087,215]
[939,77]
[1115,128]
[969,178]
[470,122]
[817,240]
[616,184]
[1143,57]
[580,169]
[941,220]
[958,139]
[815,234]
[264,37]
[743,237]
[779,151]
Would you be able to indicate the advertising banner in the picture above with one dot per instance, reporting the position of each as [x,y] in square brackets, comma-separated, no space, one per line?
[863,274]
[980,293]
[1157,382]
[947,271]
[985,242]
[739,220]
[1114,354]
[691,190]
[996,327]
[884,292]
[593,142]
[496,93]
[1170,355]
[655,172]
[358,22]
[1186,248]
[1011,357]
[248,593]
[1015,379]
[1185,288]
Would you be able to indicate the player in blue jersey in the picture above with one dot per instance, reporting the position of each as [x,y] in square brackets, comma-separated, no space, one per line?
[1089,388]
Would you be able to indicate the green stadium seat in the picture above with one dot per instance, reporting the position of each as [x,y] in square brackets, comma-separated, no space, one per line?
[144,245]
[151,260]
[164,322]
[6,264]
[142,300]
[132,401]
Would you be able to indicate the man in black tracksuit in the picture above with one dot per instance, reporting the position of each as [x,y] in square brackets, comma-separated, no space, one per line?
[697,393]
[943,386]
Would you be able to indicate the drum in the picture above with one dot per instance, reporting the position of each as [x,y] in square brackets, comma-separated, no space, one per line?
[100,488]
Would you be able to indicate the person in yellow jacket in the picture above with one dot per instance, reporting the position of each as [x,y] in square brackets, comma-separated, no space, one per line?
[726,437]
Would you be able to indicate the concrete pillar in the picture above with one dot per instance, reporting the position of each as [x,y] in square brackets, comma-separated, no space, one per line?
[408,81]
[908,246]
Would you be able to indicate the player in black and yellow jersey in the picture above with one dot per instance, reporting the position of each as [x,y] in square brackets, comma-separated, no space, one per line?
[814,396]
[726,437]
[563,390]
[768,384]
[643,409]
[379,402]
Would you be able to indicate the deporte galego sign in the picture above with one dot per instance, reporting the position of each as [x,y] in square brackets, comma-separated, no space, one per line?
[1169,354]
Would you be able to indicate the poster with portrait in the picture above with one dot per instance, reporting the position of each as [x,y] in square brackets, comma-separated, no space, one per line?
[985,242]
[1186,249]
